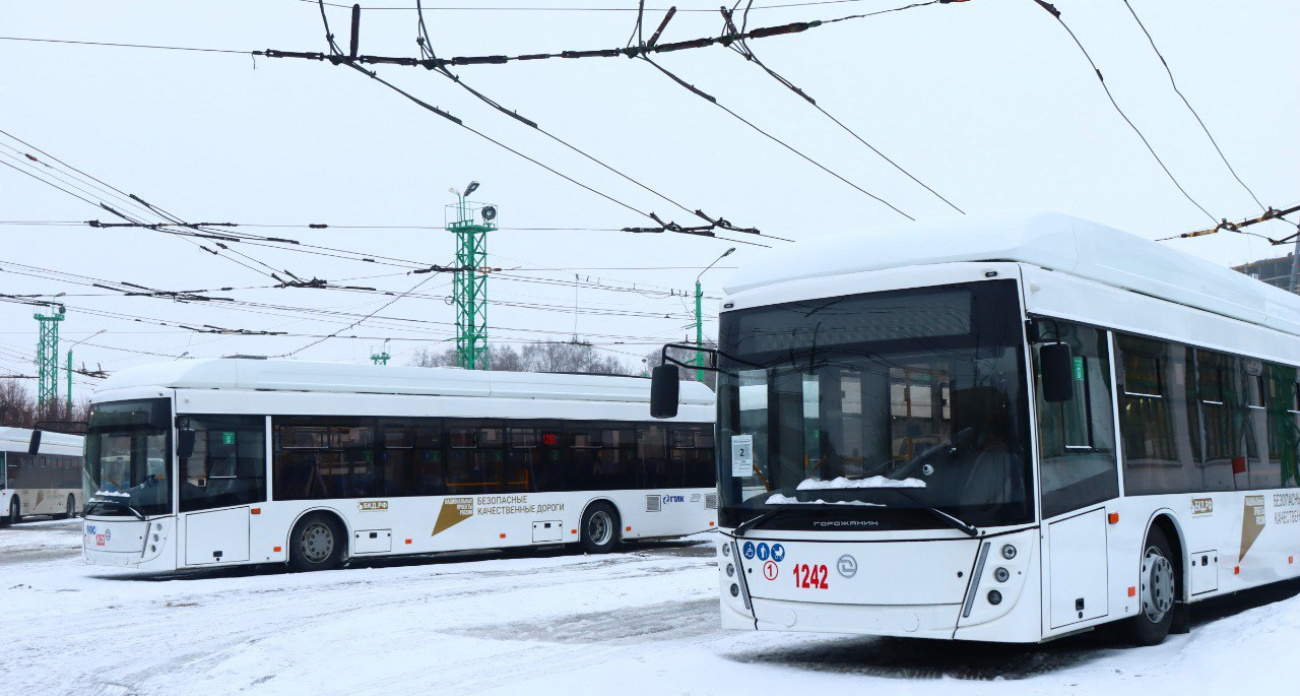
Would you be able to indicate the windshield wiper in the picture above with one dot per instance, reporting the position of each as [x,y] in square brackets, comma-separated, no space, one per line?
[110,501]
[955,522]
[759,519]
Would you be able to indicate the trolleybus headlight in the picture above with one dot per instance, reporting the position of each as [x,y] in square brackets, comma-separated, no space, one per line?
[735,590]
[726,549]
[1001,575]
[731,570]
[1008,552]
[995,597]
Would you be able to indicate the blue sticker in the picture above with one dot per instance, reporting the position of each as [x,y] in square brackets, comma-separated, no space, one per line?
[778,553]
[749,550]
[763,552]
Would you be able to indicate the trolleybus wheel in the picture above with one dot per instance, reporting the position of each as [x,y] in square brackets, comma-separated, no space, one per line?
[1157,588]
[15,511]
[71,509]
[599,528]
[316,544]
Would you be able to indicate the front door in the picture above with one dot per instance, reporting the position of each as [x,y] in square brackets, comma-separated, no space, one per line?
[220,536]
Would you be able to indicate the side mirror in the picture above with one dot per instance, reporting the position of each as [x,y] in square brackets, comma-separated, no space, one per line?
[1056,364]
[34,447]
[664,391]
[185,443]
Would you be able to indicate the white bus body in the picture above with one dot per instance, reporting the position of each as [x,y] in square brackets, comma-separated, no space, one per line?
[316,463]
[868,379]
[46,484]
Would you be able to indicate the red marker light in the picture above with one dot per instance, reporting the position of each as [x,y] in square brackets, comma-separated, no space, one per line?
[1132,591]
[1113,517]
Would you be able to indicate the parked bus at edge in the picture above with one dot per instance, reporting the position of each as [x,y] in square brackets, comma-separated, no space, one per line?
[1001,429]
[239,461]
[47,483]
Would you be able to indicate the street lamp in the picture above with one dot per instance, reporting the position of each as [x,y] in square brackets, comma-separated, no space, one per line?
[74,345]
[699,325]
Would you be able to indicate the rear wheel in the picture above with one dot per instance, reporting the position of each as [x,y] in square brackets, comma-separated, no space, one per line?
[316,543]
[15,511]
[70,511]
[1157,591]
[599,528]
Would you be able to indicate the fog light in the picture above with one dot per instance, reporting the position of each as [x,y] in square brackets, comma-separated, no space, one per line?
[995,597]
[1001,575]
[731,570]
[158,526]
[1008,552]
[735,590]
[155,537]
[153,549]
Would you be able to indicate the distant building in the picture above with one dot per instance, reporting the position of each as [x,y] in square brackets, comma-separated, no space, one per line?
[1275,272]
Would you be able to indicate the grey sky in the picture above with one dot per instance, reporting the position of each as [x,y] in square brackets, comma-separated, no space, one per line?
[988,101]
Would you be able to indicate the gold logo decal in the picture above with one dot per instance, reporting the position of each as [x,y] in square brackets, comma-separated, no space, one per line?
[1252,523]
[454,511]
[1202,506]
[372,505]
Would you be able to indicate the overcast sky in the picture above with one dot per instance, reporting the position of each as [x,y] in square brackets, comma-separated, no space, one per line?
[988,102]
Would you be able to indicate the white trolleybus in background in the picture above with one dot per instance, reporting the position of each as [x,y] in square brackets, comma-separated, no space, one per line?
[1003,429]
[45,483]
[241,461]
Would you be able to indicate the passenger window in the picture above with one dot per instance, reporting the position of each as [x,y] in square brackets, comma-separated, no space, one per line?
[228,466]
[1076,438]
[1158,415]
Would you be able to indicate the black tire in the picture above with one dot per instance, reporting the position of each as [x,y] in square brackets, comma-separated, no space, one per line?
[1157,591]
[600,528]
[317,543]
[15,511]
[71,509]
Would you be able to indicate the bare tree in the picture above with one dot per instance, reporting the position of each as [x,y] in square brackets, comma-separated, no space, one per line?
[574,357]
[18,409]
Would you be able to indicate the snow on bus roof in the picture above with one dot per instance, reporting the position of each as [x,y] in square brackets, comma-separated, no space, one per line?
[23,436]
[294,375]
[1050,240]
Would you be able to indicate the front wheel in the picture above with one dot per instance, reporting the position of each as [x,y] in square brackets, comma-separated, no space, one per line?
[316,543]
[599,528]
[1158,591]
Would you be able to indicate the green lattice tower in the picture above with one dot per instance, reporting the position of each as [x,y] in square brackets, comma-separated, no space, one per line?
[47,359]
[469,287]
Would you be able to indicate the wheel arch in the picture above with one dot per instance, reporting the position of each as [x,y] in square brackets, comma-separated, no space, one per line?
[1165,520]
[343,522]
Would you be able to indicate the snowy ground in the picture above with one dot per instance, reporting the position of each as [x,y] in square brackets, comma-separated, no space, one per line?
[639,622]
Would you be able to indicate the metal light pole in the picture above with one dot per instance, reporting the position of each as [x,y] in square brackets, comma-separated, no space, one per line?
[47,359]
[74,345]
[469,285]
[699,324]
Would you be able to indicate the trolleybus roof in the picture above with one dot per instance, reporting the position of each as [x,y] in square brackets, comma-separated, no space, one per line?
[290,375]
[1050,240]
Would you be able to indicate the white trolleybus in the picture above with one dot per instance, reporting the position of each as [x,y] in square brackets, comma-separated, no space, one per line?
[238,461]
[45,483]
[1001,430]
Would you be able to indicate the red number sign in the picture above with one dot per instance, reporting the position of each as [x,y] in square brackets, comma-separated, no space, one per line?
[810,577]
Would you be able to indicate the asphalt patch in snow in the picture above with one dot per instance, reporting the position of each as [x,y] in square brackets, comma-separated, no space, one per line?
[671,621]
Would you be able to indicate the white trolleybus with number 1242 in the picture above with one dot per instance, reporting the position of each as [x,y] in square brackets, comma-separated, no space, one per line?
[1001,429]
[240,461]
[45,483]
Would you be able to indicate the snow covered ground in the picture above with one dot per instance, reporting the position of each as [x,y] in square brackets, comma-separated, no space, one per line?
[639,622]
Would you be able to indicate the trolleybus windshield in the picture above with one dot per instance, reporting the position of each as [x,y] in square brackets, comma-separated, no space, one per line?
[127,459]
[863,412]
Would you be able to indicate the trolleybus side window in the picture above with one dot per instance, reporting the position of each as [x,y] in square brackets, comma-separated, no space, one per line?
[1282,406]
[1076,438]
[475,459]
[228,466]
[1158,417]
[652,452]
